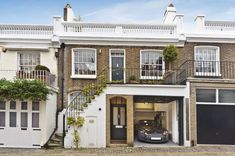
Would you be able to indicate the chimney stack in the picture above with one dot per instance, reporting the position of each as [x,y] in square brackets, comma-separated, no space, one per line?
[68,13]
[169,14]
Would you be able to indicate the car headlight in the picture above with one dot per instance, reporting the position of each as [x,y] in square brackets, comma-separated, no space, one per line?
[165,132]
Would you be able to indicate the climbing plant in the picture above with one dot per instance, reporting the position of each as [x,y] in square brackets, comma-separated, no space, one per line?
[23,90]
[75,123]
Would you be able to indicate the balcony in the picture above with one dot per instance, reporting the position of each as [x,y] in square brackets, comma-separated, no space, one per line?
[140,76]
[41,75]
[205,69]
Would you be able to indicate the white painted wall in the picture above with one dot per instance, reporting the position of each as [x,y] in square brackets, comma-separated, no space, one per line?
[91,112]
[49,118]
[100,102]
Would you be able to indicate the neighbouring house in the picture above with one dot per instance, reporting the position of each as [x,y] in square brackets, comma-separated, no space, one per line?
[25,123]
[114,75]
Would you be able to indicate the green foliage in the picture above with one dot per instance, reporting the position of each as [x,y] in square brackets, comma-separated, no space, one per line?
[41,67]
[132,78]
[23,90]
[76,123]
[170,53]
[70,121]
[76,139]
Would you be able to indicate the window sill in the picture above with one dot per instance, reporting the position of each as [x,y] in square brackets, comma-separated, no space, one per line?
[83,76]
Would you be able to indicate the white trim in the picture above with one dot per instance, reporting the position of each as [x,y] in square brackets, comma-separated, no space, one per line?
[163,65]
[217,72]
[124,63]
[75,76]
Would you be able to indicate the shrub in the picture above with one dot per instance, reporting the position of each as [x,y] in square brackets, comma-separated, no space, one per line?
[41,67]
[170,54]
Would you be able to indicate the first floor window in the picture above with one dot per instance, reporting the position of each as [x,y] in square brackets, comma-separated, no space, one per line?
[28,61]
[24,119]
[152,65]
[84,62]
[206,61]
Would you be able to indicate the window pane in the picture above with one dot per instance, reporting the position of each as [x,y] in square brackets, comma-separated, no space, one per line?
[24,119]
[206,95]
[2,119]
[35,106]
[24,105]
[12,119]
[35,120]
[84,62]
[2,105]
[12,105]
[227,96]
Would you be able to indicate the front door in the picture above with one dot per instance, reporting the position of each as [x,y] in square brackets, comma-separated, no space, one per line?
[117,66]
[118,122]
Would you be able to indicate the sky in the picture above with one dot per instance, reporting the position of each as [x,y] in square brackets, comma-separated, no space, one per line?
[113,11]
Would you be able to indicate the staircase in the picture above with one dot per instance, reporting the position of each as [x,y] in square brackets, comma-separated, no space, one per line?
[56,141]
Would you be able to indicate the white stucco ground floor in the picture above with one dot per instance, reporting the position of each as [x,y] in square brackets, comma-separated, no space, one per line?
[27,124]
[111,119]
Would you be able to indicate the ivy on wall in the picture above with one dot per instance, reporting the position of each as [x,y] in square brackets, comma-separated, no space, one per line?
[23,90]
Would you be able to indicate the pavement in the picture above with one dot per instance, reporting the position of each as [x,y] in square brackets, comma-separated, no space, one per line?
[126,151]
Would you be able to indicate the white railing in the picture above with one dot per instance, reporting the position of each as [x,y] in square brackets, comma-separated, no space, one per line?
[41,75]
[80,27]
[25,30]
[220,26]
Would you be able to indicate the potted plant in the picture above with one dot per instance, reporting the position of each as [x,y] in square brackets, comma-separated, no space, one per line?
[132,79]
[170,54]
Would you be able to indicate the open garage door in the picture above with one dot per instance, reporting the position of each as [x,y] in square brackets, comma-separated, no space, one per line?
[216,124]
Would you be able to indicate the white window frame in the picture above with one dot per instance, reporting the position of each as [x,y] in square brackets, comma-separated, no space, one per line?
[124,63]
[35,111]
[4,111]
[217,70]
[163,65]
[26,53]
[73,75]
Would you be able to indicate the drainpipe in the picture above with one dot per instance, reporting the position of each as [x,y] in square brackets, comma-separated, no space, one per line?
[62,46]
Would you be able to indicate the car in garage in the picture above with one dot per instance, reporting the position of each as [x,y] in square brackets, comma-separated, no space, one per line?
[148,131]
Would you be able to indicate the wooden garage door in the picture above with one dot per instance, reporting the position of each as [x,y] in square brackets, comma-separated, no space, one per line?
[216,124]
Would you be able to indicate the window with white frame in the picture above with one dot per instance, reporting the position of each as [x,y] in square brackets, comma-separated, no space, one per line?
[152,64]
[84,63]
[2,113]
[28,61]
[207,61]
[35,114]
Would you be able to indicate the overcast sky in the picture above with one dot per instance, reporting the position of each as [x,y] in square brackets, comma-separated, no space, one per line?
[123,11]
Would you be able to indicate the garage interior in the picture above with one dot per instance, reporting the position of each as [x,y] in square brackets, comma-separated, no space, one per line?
[164,111]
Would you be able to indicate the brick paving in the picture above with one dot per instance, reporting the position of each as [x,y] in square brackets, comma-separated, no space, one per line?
[124,151]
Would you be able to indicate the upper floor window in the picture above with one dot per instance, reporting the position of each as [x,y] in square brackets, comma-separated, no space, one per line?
[83,63]
[152,64]
[28,61]
[207,61]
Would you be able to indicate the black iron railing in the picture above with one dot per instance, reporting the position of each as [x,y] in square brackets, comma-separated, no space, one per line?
[206,69]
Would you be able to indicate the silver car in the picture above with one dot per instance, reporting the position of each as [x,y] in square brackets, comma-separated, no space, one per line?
[147,131]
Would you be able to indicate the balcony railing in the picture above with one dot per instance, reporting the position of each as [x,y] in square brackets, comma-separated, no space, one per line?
[41,75]
[42,31]
[206,69]
[140,76]
[127,29]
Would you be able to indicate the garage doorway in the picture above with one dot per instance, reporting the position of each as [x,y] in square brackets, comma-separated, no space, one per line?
[160,121]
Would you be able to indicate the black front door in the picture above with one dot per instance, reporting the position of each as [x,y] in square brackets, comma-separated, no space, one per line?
[117,68]
[118,121]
